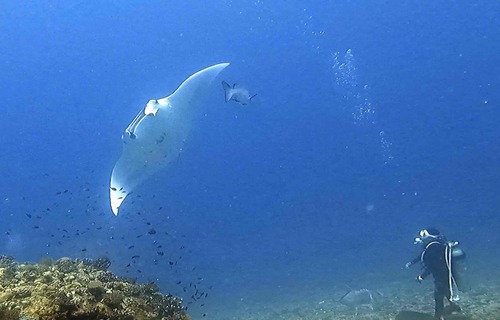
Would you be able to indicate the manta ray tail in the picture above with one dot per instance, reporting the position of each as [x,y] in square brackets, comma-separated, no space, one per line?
[227,90]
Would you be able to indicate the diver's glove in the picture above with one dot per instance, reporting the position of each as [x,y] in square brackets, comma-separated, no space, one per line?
[420,279]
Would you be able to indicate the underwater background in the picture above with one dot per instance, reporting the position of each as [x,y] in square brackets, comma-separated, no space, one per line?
[372,121]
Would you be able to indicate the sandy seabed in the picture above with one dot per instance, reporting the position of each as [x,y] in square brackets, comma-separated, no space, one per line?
[482,302]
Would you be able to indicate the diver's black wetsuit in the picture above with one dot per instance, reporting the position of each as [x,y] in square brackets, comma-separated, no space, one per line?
[433,258]
[436,258]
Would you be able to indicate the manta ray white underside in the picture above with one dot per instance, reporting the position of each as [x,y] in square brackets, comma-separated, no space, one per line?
[156,135]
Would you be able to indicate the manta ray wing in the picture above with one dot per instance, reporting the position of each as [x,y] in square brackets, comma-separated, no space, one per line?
[156,135]
[227,91]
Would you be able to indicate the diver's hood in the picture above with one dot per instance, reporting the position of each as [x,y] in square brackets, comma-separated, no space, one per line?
[428,235]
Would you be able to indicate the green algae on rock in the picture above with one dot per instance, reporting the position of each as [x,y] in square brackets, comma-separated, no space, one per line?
[79,289]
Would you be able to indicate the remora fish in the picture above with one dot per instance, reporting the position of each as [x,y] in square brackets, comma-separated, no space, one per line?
[236,93]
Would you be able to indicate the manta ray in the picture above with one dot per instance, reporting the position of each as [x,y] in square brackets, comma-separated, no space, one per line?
[236,93]
[155,136]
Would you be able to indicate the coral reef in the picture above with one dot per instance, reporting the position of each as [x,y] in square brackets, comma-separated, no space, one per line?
[79,289]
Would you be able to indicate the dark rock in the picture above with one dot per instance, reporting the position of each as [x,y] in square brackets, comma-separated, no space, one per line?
[113,299]
[96,289]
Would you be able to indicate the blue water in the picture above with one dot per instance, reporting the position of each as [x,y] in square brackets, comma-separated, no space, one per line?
[372,120]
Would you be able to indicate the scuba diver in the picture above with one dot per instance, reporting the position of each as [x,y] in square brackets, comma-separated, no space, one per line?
[438,257]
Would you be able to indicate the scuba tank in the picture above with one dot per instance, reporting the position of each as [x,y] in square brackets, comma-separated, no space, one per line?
[459,266]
